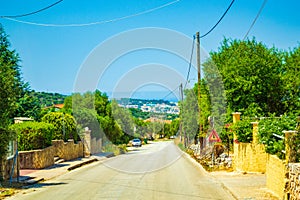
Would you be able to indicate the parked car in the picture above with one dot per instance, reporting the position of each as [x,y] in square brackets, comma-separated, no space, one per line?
[136,142]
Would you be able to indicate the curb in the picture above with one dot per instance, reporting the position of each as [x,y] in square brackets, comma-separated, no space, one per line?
[82,164]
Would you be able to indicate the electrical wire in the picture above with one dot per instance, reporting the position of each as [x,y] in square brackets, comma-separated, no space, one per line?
[259,12]
[31,13]
[202,36]
[95,23]
[171,92]
[190,63]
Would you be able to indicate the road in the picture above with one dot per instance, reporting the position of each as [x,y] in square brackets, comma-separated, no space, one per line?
[155,171]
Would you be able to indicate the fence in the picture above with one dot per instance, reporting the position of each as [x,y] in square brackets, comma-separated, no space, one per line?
[251,157]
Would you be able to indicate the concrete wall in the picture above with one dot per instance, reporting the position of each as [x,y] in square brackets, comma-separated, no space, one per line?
[36,159]
[276,174]
[249,157]
[96,145]
[293,186]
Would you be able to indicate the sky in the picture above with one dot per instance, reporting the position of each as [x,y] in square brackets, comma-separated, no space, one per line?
[136,47]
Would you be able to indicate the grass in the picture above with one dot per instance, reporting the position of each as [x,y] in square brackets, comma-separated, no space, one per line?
[7,189]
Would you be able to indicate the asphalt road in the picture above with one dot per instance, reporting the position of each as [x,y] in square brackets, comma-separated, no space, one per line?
[154,171]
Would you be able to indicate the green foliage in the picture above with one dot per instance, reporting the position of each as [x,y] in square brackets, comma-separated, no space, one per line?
[10,80]
[243,130]
[273,125]
[88,118]
[64,125]
[33,135]
[28,105]
[189,115]
[171,129]
[249,67]
[47,99]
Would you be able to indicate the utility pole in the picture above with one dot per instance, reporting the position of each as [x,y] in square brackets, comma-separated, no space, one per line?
[181,96]
[199,78]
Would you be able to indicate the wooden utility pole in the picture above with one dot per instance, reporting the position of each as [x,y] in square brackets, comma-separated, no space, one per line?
[181,98]
[199,78]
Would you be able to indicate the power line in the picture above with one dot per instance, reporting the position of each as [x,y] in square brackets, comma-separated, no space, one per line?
[171,92]
[259,12]
[95,23]
[202,36]
[31,13]
[190,63]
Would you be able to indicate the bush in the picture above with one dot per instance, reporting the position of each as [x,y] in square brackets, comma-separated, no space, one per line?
[33,135]
[243,130]
[270,126]
[64,125]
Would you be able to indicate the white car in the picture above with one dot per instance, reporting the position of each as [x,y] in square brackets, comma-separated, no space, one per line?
[136,143]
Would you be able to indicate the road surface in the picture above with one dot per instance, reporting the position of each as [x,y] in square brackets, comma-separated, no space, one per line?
[155,171]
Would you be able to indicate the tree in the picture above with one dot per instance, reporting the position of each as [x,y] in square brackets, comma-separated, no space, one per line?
[10,80]
[28,105]
[64,125]
[189,115]
[251,74]
[291,74]
[10,89]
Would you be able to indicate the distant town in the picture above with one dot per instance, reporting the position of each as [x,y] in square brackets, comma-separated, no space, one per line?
[154,106]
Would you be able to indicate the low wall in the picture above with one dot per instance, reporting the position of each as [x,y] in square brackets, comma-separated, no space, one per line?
[96,145]
[276,175]
[293,186]
[67,150]
[36,159]
[7,168]
[250,157]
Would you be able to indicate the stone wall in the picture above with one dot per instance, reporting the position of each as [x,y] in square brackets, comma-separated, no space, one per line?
[293,186]
[7,168]
[36,159]
[67,150]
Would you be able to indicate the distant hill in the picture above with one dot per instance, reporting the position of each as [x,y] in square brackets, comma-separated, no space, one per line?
[49,99]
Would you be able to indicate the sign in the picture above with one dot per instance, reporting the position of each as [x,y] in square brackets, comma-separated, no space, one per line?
[214,137]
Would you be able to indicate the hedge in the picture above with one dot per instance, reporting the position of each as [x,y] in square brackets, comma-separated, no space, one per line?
[33,135]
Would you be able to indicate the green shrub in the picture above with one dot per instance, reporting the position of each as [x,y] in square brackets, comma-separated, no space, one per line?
[270,126]
[64,125]
[33,135]
[243,130]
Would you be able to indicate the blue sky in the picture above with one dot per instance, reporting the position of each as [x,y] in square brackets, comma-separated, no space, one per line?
[53,56]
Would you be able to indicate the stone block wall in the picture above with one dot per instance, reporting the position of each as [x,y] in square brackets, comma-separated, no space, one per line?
[67,150]
[293,186]
[276,174]
[250,157]
[37,159]
[7,168]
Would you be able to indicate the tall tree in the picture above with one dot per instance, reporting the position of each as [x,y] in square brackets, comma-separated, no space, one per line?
[10,89]
[291,79]
[10,80]
[251,75]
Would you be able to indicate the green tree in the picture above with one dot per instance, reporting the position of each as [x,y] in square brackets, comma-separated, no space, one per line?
[291,74]
[251,74]
[10,80]
[64,125]
[28,105]
[189,115]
